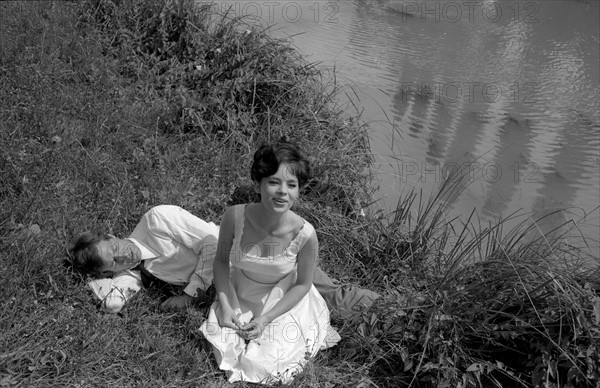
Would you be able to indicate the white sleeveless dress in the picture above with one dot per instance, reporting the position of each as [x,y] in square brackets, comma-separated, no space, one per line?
[287,342]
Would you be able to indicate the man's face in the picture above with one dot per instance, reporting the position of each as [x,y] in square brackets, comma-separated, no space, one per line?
[118,255]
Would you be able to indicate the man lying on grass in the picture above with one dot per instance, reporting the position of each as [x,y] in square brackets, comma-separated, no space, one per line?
[172,246]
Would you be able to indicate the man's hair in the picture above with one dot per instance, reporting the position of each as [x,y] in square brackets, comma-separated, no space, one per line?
[84,253]
[269,157]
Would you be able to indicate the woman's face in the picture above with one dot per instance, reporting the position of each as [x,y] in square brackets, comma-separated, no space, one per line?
[280,190]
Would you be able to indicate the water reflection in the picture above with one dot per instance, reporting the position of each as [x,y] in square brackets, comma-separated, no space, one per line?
[508,88]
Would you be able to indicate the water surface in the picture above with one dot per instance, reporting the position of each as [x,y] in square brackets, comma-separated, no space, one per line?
[506,90]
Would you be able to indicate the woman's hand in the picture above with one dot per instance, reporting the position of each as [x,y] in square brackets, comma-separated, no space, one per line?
[226,317]
[253,329]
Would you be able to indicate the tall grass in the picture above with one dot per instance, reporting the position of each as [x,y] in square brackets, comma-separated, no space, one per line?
[111,107]
[483,306]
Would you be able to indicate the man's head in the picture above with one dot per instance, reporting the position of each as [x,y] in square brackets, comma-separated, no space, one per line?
[102,255]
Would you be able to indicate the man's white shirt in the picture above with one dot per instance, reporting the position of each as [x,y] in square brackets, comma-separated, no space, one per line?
[177,247]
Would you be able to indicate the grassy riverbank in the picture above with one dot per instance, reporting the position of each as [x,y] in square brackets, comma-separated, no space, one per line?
[108,110]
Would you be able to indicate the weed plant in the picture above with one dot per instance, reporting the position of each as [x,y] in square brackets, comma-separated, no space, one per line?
[112,107]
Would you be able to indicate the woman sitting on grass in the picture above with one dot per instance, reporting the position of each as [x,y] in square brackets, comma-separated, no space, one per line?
[268,318]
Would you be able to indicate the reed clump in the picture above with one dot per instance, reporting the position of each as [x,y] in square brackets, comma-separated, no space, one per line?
[111,107]
[497,309]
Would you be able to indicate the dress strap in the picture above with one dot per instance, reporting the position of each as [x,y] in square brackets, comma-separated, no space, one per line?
[238,214]
[303,236]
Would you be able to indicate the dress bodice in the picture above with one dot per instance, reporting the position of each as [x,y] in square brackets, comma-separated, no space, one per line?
[267,269]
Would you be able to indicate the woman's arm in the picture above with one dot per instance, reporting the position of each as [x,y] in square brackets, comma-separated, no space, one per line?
[225,315]
[307,263]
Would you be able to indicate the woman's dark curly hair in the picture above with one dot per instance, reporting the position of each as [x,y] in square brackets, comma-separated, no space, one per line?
[269,157]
